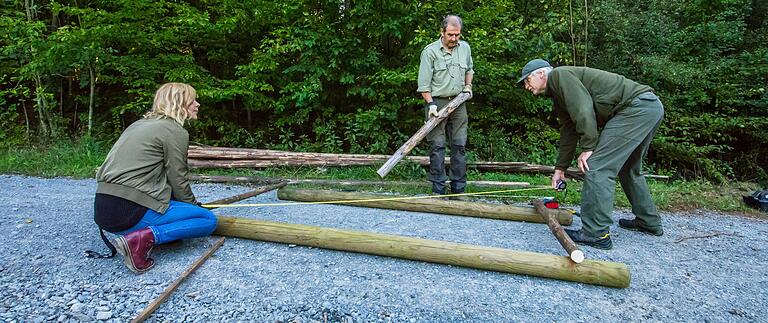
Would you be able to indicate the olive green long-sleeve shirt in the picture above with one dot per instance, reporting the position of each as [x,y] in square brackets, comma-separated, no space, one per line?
[584,100]
[148,165]
[441,72]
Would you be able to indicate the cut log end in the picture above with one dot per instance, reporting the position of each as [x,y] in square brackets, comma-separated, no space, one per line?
[577,256]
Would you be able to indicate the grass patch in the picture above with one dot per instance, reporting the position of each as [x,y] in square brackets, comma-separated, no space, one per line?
[76,158]
[80,158]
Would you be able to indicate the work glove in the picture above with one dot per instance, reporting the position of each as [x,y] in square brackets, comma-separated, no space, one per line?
[432,109]
[467,89]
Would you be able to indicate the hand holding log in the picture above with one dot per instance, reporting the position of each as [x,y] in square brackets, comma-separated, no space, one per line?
[425,129]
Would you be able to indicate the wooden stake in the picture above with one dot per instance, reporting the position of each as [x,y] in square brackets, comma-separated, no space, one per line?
[487,258]
[425,129]
[427,204]
[236,198]
[172,287]
[573,251]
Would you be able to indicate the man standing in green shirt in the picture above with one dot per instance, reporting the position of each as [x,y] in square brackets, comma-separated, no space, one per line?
[614,120]
[445,70]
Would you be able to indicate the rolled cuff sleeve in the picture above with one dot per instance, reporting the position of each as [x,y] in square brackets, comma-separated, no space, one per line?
[425,73]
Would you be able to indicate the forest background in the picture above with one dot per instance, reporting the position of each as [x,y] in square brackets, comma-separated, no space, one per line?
[340,76]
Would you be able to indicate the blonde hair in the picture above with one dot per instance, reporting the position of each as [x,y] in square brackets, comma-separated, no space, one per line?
[171,101]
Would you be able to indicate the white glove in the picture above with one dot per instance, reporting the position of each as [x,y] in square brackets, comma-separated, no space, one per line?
[433,111]
[467,89]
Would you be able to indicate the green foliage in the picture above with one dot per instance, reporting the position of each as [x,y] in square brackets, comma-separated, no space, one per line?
[340,76]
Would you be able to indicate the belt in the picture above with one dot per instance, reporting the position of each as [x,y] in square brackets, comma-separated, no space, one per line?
[446,97]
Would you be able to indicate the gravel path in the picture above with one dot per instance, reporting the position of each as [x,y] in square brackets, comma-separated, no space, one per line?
[47,224]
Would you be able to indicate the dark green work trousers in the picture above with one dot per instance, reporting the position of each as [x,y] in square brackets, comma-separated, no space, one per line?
[455,128]
[620,150]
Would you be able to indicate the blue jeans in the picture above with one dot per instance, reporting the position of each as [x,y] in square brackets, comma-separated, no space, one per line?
[180,221]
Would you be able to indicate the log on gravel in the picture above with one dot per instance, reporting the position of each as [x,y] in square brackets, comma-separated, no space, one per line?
[236,179]
[429,204]
[595,272]
[573,251]
[240,197]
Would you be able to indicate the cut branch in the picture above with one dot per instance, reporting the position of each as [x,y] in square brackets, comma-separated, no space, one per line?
[172,287]
[573,251]
[236,198]
[709,235]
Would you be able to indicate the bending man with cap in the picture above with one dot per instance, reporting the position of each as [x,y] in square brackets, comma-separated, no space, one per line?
[614,120]
[445,70]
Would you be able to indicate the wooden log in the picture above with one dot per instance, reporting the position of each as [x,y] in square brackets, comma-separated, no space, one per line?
[236,179]
[255,163]
[225,153]
[429,204]
[264,163]
[196,152]
[240,197]
[573,251]
[421,133]
[595,272]
[172,287]
[260,180]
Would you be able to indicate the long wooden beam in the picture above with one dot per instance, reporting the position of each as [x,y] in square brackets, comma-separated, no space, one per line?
[595,272]
[264,180]
[421,133]
[573,251]
[430,204]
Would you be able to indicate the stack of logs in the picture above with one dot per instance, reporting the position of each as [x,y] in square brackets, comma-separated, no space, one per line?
[223,157]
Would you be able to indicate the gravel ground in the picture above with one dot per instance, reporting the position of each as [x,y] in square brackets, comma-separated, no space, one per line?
[47,224]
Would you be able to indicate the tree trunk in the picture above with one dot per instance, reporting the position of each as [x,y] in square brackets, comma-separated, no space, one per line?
[573,251]
[595,272]
[92,75]
[26,118]
[42,107]
[429,204]
[421,133]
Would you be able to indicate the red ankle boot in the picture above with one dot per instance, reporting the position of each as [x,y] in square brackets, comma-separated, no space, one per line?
[135,248]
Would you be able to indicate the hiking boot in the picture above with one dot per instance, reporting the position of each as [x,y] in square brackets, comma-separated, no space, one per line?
[602,242]
[638,225]
[135,248]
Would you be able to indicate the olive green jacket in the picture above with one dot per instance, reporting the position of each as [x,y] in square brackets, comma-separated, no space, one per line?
[584,100]
[148,165]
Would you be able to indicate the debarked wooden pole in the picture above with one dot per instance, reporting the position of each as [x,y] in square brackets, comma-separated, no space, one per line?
[430,204]
[573,251]
[421,133]
[595,272]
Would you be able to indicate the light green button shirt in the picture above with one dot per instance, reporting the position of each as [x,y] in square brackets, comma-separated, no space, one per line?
[441,72]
